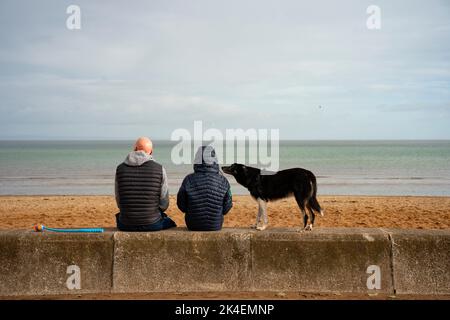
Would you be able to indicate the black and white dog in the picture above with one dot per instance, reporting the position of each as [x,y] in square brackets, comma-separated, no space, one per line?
[265,187]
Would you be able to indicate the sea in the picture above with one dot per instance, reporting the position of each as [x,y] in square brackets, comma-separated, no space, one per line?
[416,168]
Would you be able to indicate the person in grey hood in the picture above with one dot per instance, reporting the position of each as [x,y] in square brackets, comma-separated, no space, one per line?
[141,190]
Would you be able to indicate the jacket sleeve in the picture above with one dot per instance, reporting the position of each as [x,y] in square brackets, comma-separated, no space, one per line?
[164,196]
[227,200]
[182,198]
[116,191]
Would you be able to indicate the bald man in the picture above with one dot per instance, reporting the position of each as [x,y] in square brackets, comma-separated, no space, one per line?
[142,193]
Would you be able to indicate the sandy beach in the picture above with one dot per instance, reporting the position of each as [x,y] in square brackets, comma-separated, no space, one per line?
[22,212]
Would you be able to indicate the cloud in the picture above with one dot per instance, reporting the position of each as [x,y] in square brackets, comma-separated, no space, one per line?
[164,64]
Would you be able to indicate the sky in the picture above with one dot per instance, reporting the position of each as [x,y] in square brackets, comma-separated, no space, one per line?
[311,69]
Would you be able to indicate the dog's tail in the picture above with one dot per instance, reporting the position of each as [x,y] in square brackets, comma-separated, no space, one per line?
[313,200]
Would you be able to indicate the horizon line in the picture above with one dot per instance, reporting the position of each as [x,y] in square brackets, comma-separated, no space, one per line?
[168,140]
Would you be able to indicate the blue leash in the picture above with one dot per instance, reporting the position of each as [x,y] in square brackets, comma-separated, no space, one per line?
[41,228]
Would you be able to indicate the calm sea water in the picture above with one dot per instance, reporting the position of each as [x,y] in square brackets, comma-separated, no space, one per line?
[342,167]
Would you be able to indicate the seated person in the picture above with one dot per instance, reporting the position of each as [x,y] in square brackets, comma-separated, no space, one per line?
[142,193]
[205,195]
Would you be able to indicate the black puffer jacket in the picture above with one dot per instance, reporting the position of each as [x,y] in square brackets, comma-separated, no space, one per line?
[205,195]
[141,190]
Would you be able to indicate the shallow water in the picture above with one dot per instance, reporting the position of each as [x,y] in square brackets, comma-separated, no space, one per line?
[342,167]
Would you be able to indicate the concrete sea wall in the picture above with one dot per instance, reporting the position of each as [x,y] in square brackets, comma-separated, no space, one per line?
[328,260]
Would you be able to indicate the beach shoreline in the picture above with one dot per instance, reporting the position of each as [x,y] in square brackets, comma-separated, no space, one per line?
[404,212]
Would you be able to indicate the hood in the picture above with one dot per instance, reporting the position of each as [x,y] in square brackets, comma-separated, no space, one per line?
[206,160]
[137,158]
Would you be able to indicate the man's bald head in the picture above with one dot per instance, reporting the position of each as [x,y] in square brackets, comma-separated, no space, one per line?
[144,144]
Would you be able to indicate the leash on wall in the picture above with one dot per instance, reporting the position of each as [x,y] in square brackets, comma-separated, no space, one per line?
[41,228]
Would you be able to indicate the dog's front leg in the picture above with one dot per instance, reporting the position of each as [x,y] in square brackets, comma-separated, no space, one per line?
[262,213]
[258,218]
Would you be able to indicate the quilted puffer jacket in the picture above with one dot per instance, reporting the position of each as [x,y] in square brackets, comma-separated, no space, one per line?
[205,195]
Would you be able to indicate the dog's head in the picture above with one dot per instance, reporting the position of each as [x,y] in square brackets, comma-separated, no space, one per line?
[242,173]
[235,169]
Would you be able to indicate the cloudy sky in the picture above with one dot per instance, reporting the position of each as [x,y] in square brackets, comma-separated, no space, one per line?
[309,68]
